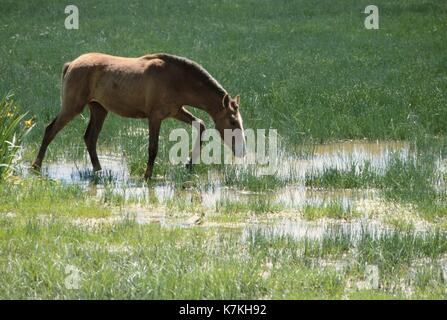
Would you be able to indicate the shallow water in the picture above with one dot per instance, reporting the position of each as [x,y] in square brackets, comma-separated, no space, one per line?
[116,178]
[80,172]
[343,155]
[316,230]
[210,192]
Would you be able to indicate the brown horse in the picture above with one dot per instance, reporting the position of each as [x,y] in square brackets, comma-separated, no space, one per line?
[154,87]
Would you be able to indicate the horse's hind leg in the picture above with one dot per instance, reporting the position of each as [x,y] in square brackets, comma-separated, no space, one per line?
[97,116]
[67,113]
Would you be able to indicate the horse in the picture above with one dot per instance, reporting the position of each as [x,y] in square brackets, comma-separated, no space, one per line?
[153,87]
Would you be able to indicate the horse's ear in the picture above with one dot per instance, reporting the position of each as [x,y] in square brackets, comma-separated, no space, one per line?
[237,99]
[226,101]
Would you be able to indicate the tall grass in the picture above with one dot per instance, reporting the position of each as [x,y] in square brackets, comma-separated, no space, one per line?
[414,179]
[12,131]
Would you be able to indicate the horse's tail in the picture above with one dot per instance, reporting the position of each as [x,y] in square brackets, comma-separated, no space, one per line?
[64,72]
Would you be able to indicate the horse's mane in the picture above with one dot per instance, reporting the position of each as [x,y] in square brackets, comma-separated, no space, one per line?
[192,67]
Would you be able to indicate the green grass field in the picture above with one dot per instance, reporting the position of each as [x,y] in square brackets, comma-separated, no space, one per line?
[308,69]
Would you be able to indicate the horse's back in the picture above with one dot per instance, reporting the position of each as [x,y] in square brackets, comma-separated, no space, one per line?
[122,85]
[122,65]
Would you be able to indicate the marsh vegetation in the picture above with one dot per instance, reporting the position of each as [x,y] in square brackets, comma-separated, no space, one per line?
[362,120]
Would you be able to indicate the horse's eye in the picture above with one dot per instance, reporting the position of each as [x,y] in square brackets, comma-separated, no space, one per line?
[233,123]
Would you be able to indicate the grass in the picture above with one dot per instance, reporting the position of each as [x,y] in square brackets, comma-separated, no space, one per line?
[12,131]
[309,70]
[365,97]
[36,196]
[124,259]
[127,260]
[410,179]
[247,177]
[354,178]
[416,180]
[393,250]
[258,205]
[333,210]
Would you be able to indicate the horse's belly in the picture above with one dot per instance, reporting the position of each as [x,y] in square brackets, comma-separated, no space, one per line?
[122,100]
[129,112]
[124,110]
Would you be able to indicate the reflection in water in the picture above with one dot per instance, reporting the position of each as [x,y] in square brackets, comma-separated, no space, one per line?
[115,177]
[343,155]
[316,230]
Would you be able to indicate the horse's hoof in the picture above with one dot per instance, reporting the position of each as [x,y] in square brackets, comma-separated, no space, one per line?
[97,170]
[188,185]
[36,167]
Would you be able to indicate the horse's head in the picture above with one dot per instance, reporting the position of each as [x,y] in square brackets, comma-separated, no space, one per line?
[229,124]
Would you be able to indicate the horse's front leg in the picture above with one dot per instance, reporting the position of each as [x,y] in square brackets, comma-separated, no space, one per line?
[154,131]
[187,117]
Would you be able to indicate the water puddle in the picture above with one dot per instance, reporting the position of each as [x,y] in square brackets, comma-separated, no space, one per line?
[327,229]
[344,155]
[116,178]
[316,230]
[115,170]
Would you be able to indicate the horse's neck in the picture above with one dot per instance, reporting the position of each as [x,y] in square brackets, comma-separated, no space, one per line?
[210,102]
